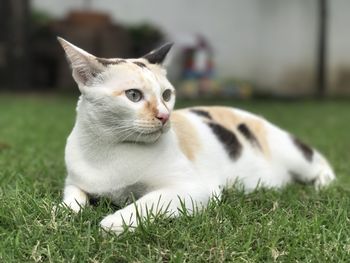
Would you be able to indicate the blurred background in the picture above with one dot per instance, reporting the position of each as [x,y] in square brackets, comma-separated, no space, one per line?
[226,48]
[286,60]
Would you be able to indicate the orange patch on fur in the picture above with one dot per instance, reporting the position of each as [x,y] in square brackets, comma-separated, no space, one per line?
[151,106]
[186,134]
[123,86]
[149,111]
[258,129]
[227,118]
[117,93]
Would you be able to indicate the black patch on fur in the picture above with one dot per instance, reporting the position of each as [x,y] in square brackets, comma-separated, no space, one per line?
[297,178]
[94,201]
[304,149]
[94,74]
[105,61]
[202,113]
[122,196]
[140,64]
[158,55]
[228,139]
[247,133]
[98,200]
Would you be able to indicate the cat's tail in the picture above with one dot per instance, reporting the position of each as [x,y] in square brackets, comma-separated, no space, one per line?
[312,167]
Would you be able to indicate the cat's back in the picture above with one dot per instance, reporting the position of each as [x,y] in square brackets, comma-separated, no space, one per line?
[233,129]
[225,141]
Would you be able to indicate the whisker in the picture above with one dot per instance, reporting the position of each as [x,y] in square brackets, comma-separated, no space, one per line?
[124,138]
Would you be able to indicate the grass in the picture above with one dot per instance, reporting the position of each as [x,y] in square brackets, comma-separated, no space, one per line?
[295,224]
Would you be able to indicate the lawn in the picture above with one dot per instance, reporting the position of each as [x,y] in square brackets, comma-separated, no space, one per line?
[295,224]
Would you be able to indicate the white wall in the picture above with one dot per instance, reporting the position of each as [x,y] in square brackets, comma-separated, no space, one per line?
[270,42]
[287,37]
[228,25]
[339,46]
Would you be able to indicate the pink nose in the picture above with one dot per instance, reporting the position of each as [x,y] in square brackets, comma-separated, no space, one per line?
[163,117]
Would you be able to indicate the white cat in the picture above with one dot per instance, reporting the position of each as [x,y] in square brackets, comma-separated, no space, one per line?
[126,139]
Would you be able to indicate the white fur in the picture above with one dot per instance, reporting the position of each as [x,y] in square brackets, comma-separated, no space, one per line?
[101,161]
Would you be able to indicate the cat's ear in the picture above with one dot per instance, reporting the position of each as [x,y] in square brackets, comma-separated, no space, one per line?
[158,55]
[85,66]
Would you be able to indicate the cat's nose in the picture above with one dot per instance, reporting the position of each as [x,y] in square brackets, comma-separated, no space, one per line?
[163,117]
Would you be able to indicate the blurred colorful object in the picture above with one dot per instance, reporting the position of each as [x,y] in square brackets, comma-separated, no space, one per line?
[211,88]
[198,60]
[198,74]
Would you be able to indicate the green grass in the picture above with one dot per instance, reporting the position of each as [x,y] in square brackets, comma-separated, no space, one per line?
[295,224]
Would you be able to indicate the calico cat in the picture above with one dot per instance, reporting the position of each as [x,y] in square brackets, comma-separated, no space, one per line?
[127,139]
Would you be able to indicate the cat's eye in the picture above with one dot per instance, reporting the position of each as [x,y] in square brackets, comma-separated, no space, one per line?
[134,95]
[166,95]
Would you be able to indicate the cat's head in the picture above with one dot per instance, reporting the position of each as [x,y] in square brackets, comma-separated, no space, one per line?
[130,99]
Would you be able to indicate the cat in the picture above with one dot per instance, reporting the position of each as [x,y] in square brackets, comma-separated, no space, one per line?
[128,140]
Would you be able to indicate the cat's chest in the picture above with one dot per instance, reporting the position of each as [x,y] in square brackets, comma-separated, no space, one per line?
[107,171]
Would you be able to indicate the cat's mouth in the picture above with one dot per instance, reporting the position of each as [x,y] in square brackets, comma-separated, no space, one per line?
[151,132]
[144,132]
[145,136]
[150,129]
[150,135]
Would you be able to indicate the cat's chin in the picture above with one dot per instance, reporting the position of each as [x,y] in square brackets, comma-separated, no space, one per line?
[145,137]
[152,138]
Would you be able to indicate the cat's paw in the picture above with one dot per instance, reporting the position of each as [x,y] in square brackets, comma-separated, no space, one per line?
[73,206]
[324,178]
[114,223]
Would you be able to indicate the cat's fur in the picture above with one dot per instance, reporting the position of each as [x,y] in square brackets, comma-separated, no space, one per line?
[118,146]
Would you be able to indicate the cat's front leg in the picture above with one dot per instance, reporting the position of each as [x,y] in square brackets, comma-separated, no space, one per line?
[74,197]
[167,201]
